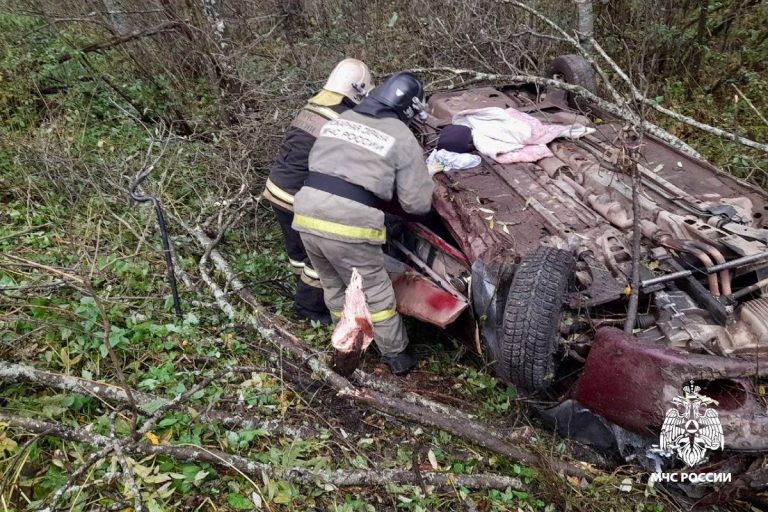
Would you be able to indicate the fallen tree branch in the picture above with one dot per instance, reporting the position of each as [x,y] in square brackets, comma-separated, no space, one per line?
[636,95]
[640,97]
[14,373]
[424,411]
[611,108]
[117,41]
[617,97]
[86,287]
[251,468]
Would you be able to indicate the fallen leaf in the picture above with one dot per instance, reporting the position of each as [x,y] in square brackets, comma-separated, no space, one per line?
[626,485]
[152,438]
[432,459]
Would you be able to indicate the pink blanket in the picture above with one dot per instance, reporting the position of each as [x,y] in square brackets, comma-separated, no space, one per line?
[510,136]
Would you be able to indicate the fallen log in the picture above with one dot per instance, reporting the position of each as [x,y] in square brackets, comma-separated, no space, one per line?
[14,373]
[256,470]
[415,408]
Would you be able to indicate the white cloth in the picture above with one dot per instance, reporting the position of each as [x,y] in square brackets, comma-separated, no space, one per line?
[444,160]
[510,136]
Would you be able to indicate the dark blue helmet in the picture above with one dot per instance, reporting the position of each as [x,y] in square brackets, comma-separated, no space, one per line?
[403,93]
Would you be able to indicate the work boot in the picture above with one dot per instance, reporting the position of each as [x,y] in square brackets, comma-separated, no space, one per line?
[309,302]
[401,364]
[324,318]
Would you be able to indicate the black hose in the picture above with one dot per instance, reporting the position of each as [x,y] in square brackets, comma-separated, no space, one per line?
[144,198]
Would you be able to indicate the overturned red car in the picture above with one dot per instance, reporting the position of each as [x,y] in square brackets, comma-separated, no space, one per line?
[532,262]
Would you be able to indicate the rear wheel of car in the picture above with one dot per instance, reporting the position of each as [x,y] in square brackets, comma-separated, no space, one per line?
[574,70]
[532,315]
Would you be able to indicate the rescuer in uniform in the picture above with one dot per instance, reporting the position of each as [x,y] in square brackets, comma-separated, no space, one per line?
[365,157]
[347,84]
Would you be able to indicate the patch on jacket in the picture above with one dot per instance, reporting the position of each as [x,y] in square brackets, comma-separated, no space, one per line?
[310,122]
[359,134]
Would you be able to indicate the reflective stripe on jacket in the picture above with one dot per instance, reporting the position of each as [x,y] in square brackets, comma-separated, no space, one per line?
[291,166]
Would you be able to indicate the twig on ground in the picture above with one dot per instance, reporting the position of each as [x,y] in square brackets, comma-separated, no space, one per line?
[251,468]
[25,231]
[86,287]
[12,372]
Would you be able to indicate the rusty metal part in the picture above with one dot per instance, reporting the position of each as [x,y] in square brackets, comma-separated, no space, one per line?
[439,243]
[611,210]
[717,257]
[754,258]
[553,166]
[698,178]
[666,278]
[446,105]
[750,289]
[748,336]
[603,287]
[422,266]
[581,191]
[686,246]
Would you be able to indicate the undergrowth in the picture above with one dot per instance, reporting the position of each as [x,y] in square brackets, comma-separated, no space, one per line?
[72,136]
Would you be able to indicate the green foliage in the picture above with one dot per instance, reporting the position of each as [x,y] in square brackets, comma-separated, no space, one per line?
[74,128]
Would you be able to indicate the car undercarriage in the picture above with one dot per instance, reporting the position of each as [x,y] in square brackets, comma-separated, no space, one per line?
[532,262]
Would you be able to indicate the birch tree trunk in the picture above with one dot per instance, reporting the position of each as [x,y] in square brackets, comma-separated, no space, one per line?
[227,77]
[586,23]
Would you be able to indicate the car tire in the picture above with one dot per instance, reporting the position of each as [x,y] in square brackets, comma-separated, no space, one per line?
[574,70]
[531,320]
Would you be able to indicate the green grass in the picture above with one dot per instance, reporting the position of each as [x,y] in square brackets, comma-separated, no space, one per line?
[68,147]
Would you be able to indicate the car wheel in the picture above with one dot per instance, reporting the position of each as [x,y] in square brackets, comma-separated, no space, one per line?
[532,315]
[575,70]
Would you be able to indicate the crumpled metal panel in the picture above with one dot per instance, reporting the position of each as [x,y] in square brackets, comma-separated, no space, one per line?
[632,383]
[420,298]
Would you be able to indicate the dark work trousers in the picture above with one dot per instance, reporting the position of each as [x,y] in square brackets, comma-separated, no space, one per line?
[309,301]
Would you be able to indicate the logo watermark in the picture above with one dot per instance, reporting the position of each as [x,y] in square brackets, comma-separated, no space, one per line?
[690,429]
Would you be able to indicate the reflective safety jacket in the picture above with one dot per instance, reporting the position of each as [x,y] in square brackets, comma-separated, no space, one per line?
[380,155]
[290,168]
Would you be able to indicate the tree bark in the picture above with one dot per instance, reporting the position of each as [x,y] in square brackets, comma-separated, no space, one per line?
[586,23]
[227,76]
[14,373]
[256,470]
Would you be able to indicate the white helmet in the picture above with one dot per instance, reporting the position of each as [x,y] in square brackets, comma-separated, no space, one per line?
[350,78]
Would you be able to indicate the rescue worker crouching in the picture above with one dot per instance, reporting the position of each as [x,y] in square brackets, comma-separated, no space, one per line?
[366,156]
[347,84]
